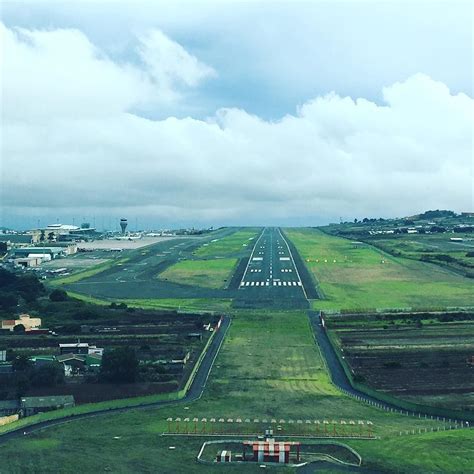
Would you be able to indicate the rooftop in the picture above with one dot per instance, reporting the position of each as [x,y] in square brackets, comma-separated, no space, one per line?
[57,400]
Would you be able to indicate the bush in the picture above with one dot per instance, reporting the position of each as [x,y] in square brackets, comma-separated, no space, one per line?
[85,314]
[8,301]
[58,295]
[19,328]
[119,365]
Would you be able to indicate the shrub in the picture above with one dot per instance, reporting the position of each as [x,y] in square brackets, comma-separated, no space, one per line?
[58,295]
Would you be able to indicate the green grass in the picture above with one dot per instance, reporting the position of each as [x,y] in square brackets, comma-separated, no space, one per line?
[450,451]
[238,242]
[184,304]
[203,273]
[81,275]
[356,278]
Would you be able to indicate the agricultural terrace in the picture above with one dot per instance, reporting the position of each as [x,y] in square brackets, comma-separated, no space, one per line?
[237,243]
[424,359]
[358,276]
[205,273]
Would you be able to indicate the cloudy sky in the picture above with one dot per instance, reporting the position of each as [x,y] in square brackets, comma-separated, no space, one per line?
[219,113]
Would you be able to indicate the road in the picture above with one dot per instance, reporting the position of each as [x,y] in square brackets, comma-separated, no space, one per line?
[194,393]
[271,273]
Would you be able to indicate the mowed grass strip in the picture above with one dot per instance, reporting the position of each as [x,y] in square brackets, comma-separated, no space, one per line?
[353,276]
[237,242]
[204,273]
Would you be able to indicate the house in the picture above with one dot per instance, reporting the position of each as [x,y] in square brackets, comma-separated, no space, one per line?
[9,407]
[75,364]
[25,319]
[32,405]
[80,348]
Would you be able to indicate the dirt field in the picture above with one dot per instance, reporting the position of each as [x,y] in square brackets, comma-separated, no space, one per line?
[424,363]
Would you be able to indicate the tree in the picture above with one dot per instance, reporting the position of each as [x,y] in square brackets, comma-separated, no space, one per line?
[3,248]
[21,363]
[19,328]
[58,295]
[119,365]
[8,301]
[48,375]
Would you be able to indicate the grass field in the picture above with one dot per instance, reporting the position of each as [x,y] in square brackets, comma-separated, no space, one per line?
[179,304]
[204,273]
[83,274]
[354,277]
[236,243]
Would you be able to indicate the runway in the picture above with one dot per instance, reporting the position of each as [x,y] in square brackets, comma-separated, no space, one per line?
[271,273]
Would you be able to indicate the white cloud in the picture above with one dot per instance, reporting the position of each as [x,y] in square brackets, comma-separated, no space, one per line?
[170,64]
[71,142]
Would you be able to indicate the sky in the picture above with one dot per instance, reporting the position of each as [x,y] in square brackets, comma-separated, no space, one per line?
[176,114]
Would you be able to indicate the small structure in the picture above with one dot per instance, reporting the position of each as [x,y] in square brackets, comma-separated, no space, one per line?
[270,450]
[25,319]
[75,364]
[27,262]
[45,253]
[33,405]
[80,348]
[9,407]
[224,456]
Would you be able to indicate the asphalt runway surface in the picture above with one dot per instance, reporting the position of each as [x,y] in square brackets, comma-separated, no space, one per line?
[194,393]
[137,277]
[271,277]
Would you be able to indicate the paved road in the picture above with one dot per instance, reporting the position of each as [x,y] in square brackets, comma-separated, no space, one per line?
[271,274]
[338,375]
[194,393]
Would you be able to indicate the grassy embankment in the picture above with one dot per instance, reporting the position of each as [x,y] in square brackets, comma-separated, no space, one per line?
[353,277]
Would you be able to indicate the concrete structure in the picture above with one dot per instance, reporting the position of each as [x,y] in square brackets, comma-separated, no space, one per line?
[224,456]
[28,322]
[79,364]
[123,225]
[80,348]
[17,239]
[28,262]
[9,407]
[32,405]
[62,232]
[270,450]
[49,253]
